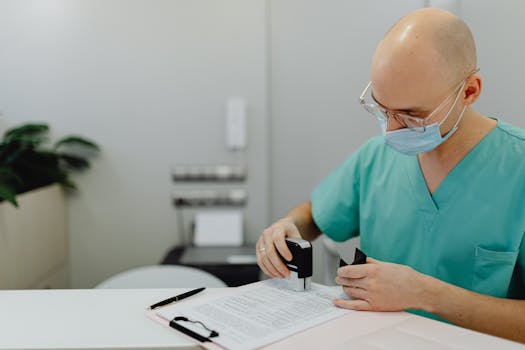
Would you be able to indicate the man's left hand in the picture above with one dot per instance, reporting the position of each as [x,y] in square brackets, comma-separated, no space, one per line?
[381,286]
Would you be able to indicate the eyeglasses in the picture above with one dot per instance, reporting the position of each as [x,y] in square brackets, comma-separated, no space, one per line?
[406,120]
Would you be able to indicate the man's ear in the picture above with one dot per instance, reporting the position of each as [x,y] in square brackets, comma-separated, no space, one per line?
[472,89]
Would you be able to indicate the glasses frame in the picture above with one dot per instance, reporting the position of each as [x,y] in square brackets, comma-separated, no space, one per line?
[406,120]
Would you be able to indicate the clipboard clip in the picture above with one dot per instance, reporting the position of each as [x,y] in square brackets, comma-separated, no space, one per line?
[189,332]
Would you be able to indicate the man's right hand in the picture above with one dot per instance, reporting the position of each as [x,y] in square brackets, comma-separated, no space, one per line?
[272,243]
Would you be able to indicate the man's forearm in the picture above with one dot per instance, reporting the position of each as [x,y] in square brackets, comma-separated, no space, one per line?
[303,219]
[500,317]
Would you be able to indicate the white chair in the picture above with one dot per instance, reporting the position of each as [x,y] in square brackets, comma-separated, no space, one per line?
[162,276]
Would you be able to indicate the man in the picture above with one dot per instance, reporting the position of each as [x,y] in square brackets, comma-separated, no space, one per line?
[438,200]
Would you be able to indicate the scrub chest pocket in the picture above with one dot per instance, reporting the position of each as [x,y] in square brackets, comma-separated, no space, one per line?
[493,271]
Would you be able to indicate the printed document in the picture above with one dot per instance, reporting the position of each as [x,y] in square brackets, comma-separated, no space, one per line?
[259,314]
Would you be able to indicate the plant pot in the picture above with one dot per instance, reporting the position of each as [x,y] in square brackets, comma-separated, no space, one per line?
[34,245]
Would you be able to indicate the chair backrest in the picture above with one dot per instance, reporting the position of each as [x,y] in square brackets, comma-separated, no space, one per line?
[162,276]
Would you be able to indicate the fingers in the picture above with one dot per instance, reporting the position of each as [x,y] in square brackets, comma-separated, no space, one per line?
[272,237]
[263,262]
[271,270]
[280,243]
[259,253]
[263,268]
[279,236]
[355,293]
[269,260]
[275,260]
[273,245]
[359,305]
[353,271]
[352,282]
[354,288]
[260,262]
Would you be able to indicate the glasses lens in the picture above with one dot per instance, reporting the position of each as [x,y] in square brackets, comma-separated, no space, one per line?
[401,120]
[383,115]
[375,111]
[412,123]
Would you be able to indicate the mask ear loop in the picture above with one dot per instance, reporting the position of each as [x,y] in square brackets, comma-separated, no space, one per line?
[454,128]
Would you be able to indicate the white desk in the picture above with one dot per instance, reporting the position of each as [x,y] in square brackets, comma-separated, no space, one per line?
[90,318]
[115,319]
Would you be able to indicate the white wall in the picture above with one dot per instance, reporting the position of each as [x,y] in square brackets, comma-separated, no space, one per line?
[147,80]
[498,29]
[320,59]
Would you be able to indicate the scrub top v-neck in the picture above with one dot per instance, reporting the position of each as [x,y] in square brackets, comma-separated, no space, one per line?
[468,233]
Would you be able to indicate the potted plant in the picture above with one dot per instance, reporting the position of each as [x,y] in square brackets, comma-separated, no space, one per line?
[26,164]
[33,213]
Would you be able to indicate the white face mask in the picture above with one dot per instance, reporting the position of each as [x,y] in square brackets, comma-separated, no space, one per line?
[412,142]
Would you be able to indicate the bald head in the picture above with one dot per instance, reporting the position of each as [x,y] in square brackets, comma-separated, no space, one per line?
[428,45]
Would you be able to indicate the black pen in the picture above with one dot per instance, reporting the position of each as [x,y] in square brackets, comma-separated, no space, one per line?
[176,298]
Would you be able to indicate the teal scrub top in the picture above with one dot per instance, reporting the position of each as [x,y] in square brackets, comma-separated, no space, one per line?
[468,233]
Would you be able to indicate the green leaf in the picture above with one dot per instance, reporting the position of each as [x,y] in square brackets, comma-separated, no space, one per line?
[28,131]
[74,162]
[7,174]
[66,182]
[7,193]
[77,141]
[15,154]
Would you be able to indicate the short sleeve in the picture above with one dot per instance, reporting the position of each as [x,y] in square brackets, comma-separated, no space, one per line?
[335,201]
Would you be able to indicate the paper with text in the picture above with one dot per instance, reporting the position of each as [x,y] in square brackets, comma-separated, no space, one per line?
[256,315]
